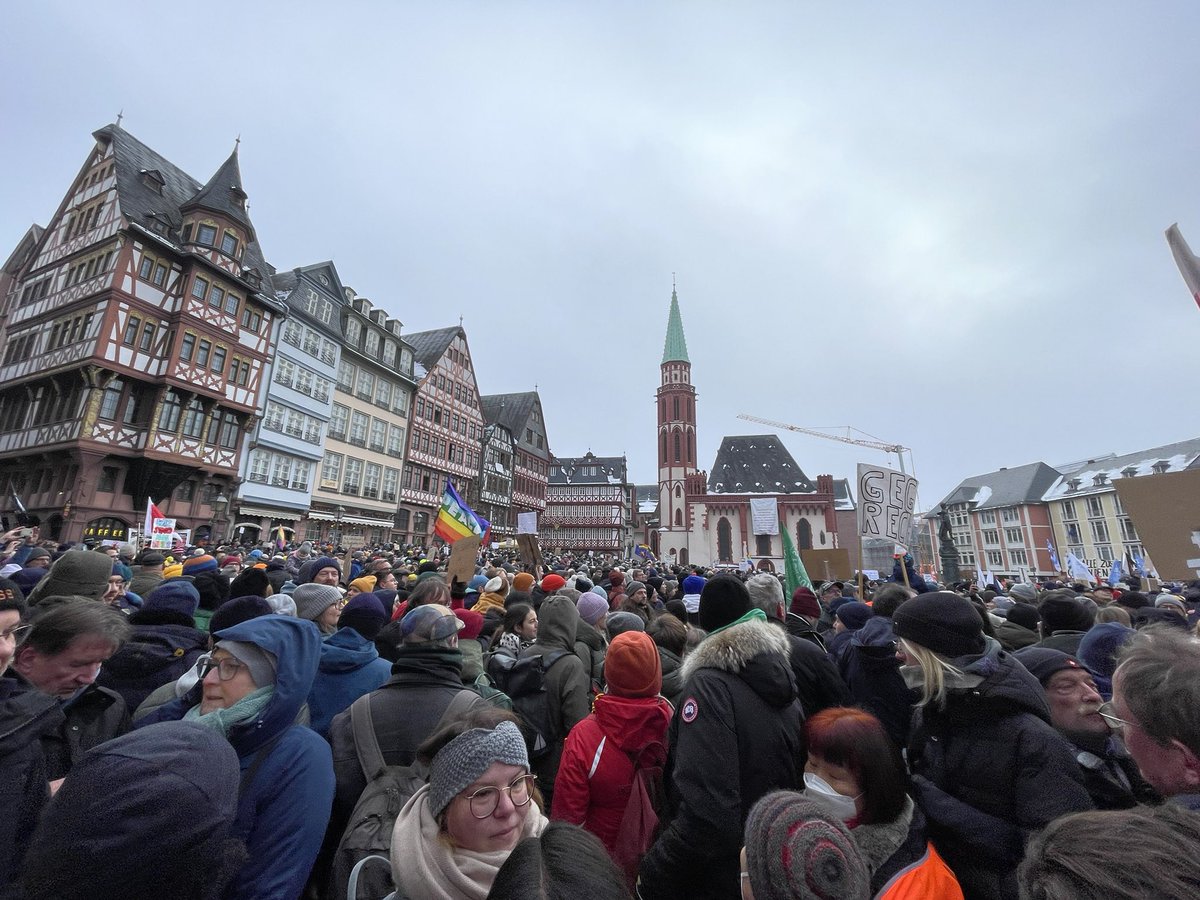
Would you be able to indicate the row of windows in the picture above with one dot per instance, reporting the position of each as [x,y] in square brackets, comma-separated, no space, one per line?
[201,353]
[364,384]
[206,236]
[131,404]
[460,424]
[191,420]
[991,536]
[317,306]
[215,295]
[302,380]
[533,463]
[97,175]
[20,347]
[1095,508]
[586,492]
[349,475]
[459,390]
[279,470]
[153,270]
[373,342]
[65,332]
[573,510]
[285,420]
[362,430]
[433,444]
[84,219]
[47,406]
[90,267]
[419,478]
[35,291]
[307,339]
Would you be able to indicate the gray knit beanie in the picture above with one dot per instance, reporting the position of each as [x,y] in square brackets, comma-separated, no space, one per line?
[794,850]
[262,663]
[468,756]
[313,599]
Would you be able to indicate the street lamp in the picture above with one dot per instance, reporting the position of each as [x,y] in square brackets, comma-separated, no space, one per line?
[220,504]
[337,518]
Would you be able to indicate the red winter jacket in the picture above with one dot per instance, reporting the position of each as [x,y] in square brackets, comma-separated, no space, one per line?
[594,777]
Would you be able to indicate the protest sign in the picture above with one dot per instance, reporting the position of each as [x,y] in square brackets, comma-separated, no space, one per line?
[1166,515]
[527,523]
[531,553]
[463,554]
[887,499]
[162,532]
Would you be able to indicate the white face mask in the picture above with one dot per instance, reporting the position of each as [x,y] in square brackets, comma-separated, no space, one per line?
[819,791]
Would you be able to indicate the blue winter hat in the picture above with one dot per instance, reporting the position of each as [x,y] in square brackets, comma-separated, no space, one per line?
[123,570]
[365,614]
[256,553]
[693,584]
[310,569]
[854,615]
[174,595]
[1098,651]
[476,584]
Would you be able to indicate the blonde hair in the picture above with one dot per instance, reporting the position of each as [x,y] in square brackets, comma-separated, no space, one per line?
[934,669]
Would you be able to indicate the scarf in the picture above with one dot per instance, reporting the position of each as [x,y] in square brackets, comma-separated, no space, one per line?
[430,869]
[249,707]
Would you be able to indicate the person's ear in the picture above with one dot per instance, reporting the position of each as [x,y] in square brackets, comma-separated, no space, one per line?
[1190,763]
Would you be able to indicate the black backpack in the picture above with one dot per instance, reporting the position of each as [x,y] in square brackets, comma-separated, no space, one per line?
[524,681]
[369,832]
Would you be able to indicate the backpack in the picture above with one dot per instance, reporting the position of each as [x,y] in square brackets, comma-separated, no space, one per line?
[369,832]
[640,820]
[524,681]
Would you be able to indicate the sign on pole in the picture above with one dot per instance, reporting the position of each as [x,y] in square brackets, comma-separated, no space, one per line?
[887,499]
[162,531]
[527,523]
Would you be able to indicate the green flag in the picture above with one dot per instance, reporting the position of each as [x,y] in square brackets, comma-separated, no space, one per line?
[794,572]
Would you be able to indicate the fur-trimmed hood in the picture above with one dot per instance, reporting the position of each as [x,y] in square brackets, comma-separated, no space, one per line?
[755,651]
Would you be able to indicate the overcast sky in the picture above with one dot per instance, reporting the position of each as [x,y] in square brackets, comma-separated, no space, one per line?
[940,223]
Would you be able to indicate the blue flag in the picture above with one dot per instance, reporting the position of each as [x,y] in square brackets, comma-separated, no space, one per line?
[1139,566]
[1114,577]
[1053,556]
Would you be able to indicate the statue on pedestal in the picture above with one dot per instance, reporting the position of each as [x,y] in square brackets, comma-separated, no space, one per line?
[946,550]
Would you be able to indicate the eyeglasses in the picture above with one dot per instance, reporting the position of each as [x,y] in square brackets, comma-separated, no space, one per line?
[1117,724]
[17,634]
[485,800]
[227,668]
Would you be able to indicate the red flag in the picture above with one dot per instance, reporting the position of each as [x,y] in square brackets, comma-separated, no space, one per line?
[152,513]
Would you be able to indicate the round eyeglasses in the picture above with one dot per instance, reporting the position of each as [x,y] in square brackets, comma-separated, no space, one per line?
[485,800]
[16,634]
[226,668]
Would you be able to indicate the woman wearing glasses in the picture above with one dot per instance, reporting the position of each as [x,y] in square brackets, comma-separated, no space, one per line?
[455,833]
[251,689]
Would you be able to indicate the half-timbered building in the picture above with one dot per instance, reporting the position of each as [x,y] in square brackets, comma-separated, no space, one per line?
[447,428]
[522,415]
[590,506]
[496,481]
[137,332]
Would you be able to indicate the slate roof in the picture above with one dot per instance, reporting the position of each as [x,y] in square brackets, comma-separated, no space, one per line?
[675,345]
[1177,457]
[222,192]
[756,464]
[1006,487]
[510,410]
[430,346]
[843,498]
[141,203]
[647,498]
[569,470]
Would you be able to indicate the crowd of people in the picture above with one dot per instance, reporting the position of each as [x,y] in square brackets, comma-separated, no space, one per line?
[309,722]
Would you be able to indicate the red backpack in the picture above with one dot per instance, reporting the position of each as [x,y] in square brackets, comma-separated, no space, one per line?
[640,821]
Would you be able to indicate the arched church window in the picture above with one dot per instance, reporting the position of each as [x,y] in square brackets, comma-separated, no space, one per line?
[679,517]
[724,541]
[677,447]
[804,535]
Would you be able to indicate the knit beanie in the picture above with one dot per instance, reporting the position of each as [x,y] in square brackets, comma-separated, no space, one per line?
[620,622]
[1025,615]
[174,788]
[364,584]
[365,614]
[693,584]
[313,599]
[854,615]
[1045,662]
[616,579]
[794,851]
[78,573]
[251,583]
[194,565]
[724,599]
[309,570]
[1098,651]
[10,592]
[553,582]
[39,557]
[27,578]
[632,666]
[1024,593]
[805,603]
[213,587]
[262,663]
[458,764]
[592,607]
[174,570]
[472,623]
[522,581]
[941,621]
[1063,613]
[239,609]
[633,587]
[177,595]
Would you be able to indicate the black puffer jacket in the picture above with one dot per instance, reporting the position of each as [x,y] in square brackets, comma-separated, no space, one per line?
[989,770]
[164,645]
[872,673]
[735,736]
[672,676]
[818,685]
[25,715]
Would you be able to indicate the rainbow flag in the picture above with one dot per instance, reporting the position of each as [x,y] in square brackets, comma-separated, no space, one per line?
[280,538]
[456,520]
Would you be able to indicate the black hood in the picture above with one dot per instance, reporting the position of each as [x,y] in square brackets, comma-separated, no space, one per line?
[757,652]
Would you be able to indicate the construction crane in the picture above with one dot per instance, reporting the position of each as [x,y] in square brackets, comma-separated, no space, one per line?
[874,444]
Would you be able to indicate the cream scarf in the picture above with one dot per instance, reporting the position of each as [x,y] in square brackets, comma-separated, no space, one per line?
[425,867]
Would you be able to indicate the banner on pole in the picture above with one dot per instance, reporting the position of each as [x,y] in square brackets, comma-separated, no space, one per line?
[887,499]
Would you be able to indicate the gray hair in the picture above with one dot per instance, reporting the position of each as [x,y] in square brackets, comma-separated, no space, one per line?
[766,593]
[55,630]
[1159,675]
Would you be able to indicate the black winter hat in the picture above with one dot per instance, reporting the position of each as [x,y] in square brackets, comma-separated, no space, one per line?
[1024,614]
[252,582]
[1044,662]
[1063,612]
[942,622]
[724,600]
[238,610]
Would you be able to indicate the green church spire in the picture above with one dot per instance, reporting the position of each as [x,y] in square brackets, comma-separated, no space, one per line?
[675,347]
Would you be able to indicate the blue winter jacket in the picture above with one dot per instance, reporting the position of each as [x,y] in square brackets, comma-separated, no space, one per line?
[350,667]
[284,807]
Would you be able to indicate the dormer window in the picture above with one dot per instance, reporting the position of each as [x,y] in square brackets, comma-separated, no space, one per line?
[152,179]
[1160,467]
[229,244]
[1128,472]
[1099,479]
[206,235]
[253,277]
[1073,485]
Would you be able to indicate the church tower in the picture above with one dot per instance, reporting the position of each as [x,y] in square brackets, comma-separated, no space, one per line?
[676,440]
